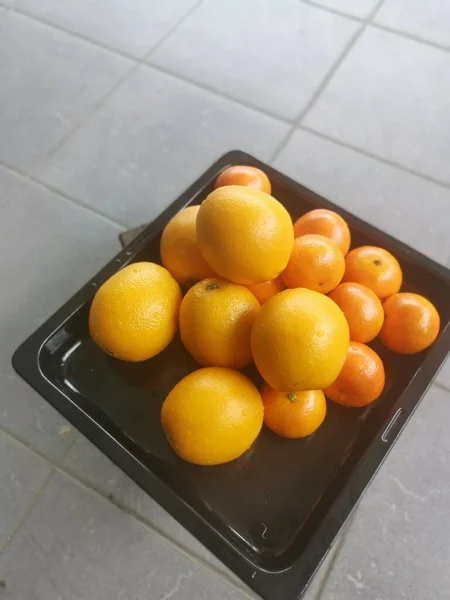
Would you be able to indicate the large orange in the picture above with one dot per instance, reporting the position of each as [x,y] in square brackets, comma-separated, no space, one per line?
[316,263]
[361,380]
[216,318]
[134,314]
[244,234]
[293,414]
[375,268]
[265,290]
[362,309]
[299,340]
[327,223]
[180,253]
[411,323]
[212,416]
[243,175]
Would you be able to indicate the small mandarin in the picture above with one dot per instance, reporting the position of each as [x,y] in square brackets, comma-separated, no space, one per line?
[411,323]
[362,309]
[265,290]
[361,380]
[375,268]
[293,414]
[327,223]
[244,175]
[316,263]
[212,416]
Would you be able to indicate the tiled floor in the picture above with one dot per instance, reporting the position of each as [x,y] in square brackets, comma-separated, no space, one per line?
[107,112]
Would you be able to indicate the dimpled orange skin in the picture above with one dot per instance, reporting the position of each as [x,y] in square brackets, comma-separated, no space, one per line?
[244,234]
[180,253]
[265,290]
[293,414]
[316,263]
[361,380]
[411,323]
[375,268]
[134,314]
[212,416]
[362,309]
[327,223]
[299,340]
[216,319]
[243,175]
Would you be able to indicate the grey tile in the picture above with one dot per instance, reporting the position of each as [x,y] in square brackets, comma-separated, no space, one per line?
[153,137]
[406,206]
[428,20]
[356,8]
[272,55]
[88,463]
[399,544]
[22,474]
[444,374]
[390,97]
[130,26]
[75,546]
[44,92]
[48,249]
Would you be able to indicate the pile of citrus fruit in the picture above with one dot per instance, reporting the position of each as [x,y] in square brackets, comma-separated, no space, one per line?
[290,297]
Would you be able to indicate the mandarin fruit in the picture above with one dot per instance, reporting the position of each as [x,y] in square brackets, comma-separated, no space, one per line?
[316,263]
[411,323]
[244,234]
[361,380]
[243,175]
[265,290]
[375,268]
[299,340]
[293,414]
[327,223]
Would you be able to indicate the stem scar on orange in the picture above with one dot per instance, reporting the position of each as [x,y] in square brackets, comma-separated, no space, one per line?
[327,223]
[244,175]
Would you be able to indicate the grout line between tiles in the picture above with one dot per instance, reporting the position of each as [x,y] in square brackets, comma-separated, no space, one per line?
[58,468]
[442,386]
[79,203]
[334,11]
[369,154]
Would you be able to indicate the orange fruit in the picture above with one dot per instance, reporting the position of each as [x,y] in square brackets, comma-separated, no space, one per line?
[375,268]
[180,253]
[361,380]
[362,309]
[216,318]
[327,223]
[244,234]
[265,290]
[293,414]
[212,416]
[316,263]
[243,175]
[299,340]
[411,323]
[134,314]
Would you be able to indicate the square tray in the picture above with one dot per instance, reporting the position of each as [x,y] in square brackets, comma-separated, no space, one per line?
[273,514]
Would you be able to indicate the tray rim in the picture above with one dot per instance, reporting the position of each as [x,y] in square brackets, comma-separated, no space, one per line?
[290,583]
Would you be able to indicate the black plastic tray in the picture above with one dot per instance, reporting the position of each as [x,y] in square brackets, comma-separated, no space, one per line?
[273,514]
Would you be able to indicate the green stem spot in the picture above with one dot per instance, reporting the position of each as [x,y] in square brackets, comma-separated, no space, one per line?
[212,286]
[292,397]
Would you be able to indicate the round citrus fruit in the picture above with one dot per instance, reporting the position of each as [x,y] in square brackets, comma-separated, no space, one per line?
[180,253]
[212,416]
[327,223]
[361,380]
[244,234]
[265,290]
[375,268]
[216,319]
[411,323]
[134,314]
[293,414]
[362,309]
[316,263]
[299,340]
[243,175]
